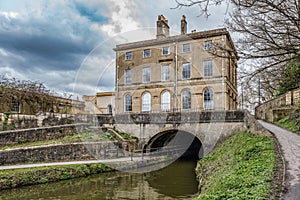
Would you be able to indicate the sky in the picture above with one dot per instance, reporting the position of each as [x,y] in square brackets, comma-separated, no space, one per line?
[68,44]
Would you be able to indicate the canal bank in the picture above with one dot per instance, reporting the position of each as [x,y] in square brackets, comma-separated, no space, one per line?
[176,181]
[244,165]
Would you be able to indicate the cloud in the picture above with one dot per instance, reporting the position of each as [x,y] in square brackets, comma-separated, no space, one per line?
[68,44]
[121,17]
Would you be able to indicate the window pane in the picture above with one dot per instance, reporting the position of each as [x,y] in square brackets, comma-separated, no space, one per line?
[208,99]
[165,50]
[146,74]
[128,103]
[165,73]
[208,68]
[128,76]
[186,99]
[128,56]
[186,73]
[109,109]
[165,101]
[147,53]
[15,106]
[146,102]
[186,48]
[208,44]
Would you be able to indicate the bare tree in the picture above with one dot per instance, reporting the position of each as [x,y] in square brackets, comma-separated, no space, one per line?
[270,36]
[33,93]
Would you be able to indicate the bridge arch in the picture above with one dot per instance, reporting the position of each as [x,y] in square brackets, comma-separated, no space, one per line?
[190,145]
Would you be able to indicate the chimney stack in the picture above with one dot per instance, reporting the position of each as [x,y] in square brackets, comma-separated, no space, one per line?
[162,27]
[183,25]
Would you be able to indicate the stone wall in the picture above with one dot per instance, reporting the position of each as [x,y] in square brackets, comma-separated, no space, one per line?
[278,107]
[37,134]
[61,152]
[252,125]
[13,121]
[173,117]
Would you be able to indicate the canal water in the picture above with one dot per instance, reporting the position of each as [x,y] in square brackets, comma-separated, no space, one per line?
[176,181]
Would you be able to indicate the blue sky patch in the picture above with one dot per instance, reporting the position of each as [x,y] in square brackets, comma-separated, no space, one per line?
[92,14]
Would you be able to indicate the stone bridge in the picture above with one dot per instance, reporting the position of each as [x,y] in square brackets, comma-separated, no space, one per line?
[200,130]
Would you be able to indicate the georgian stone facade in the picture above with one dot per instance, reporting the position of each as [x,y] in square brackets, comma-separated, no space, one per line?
[177,73]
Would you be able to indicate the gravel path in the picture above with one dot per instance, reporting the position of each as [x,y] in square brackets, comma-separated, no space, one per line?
[290,144]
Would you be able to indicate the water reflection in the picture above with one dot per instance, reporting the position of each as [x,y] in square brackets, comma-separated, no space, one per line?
[177,181]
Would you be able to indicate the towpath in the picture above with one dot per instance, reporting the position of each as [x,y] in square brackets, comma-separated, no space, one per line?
[290,145]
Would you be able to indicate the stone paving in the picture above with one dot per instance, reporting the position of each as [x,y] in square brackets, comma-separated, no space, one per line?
[290,145]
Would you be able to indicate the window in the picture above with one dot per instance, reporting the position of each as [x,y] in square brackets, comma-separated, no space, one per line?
[165,72]
[208,99]
[186,99]
[146,74]
[165,50]
[208,44]
[109,109]
[147,53]
[208,68]
[128,103]
[146,102]
[15,108]
[186,71]
[128,76]
[186,48]
[165,101]
[128,55]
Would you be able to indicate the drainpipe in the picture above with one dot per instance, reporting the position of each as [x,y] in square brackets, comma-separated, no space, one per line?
[223,72]
[176,77]
[117,100]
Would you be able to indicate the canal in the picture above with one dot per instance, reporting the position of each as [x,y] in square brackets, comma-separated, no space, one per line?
[176,181]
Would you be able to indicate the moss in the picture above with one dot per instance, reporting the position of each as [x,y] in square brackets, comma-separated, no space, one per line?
[32,176]
[72,138]
[241,168]
[290,122]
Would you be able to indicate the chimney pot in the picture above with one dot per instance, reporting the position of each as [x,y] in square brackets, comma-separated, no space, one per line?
[183,25]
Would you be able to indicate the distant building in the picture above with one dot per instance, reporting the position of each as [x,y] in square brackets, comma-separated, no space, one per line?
[32,103]
[176,73]
[102,103]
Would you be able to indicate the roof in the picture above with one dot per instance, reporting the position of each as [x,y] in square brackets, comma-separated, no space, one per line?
[176,38]
[102,94]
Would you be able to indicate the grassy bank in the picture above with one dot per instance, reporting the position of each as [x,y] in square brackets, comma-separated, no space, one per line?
[241,168]
[84,136]
[291,122]
[32,176]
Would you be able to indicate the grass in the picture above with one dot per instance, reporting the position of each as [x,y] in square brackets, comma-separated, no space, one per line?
[85,136]
[241,168]
[41,175]
[124,135]
[291,122]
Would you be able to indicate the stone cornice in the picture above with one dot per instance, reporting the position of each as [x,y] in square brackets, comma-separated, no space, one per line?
[177,38]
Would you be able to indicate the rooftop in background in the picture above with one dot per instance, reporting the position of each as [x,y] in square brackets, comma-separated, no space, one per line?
[163,36]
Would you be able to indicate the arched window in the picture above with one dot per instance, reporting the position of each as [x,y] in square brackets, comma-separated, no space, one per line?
[165,101]
[146,102]
[128,103]
[186,99]
[208,99]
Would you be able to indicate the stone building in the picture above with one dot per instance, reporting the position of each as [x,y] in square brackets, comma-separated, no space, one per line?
[187,72]
[101,103]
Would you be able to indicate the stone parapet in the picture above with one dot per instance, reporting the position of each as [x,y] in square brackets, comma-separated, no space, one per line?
[38,134]
[61,152]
